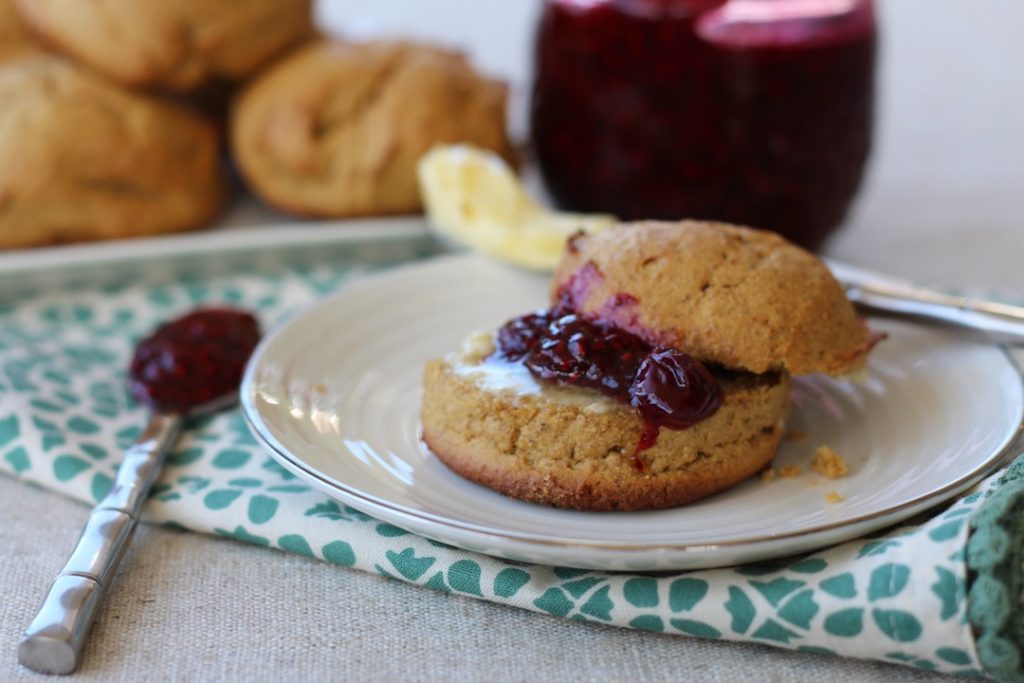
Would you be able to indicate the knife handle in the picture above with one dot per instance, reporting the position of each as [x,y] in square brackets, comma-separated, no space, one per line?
[999,322]
[53,641]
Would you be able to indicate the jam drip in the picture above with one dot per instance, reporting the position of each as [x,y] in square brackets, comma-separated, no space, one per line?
[193,360]
[668,387]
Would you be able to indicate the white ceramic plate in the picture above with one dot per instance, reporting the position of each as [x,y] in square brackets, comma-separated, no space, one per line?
[335,394]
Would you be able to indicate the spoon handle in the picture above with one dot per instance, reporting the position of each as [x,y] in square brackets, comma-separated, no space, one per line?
[53,641]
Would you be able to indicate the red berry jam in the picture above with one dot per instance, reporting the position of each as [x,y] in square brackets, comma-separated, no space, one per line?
[674,389]
[756,112]
[668,387]
[193,360]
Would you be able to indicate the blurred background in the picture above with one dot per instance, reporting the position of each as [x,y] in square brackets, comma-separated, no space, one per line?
[945,174]
[943,182]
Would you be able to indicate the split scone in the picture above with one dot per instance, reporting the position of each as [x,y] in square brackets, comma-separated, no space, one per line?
[659,375]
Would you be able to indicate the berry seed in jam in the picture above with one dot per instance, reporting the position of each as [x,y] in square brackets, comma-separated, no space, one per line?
[193,360]
[668,387]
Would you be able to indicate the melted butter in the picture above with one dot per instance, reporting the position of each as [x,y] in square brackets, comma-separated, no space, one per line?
[497,375]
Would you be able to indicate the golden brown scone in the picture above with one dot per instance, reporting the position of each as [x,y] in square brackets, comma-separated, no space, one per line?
[171,44]
[566,455]
[15,39]
[742,298]
[85,160]
[336,129]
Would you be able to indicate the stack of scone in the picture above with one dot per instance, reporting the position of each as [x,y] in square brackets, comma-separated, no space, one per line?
[106,129]
[659,375]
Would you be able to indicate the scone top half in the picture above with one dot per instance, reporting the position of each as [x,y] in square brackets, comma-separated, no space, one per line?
[737,297]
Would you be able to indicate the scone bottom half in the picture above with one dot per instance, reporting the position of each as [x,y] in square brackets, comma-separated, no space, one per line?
[560,410]
[646,385]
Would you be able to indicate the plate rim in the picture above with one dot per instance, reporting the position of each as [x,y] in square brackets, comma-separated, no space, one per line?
[329,485]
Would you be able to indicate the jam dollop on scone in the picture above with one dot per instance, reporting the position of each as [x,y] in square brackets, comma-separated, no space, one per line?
[660,374]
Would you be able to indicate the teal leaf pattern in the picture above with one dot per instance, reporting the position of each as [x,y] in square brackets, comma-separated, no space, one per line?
[887,581]
[10,430]
[464,576]
[408,565]
[339,552]
[67,467]
[846,623]
[65,418]
[901,626]
[509,581]
[840,586]
[800,610]
[773,630]
[775,591]
[641,592]
[741,609]
[580,586]
[262,509]
[648,622]
[295,543]
[599,605]
[554,601]
[949,590]
[220,499]
[684,594]
[696,628]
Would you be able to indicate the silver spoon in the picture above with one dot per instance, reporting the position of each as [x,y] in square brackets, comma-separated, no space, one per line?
[54,640]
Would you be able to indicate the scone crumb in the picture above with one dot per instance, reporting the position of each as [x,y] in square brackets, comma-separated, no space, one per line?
[768,474]
[789,471]
[795,436]
[828,463]
[833,497]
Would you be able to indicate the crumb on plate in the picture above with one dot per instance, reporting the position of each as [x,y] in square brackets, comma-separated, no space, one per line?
[833,497]
[829,463]
[789,471]
[768,474]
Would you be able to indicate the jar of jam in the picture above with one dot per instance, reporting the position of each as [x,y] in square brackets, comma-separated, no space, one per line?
[756,112]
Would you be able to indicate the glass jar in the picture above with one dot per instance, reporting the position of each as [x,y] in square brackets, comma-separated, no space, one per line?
[756,112]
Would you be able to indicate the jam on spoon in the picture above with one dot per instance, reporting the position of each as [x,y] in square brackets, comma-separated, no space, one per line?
[668,388]
[194,359]
[188,367]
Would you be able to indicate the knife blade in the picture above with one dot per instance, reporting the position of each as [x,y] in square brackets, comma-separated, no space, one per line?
[887,296]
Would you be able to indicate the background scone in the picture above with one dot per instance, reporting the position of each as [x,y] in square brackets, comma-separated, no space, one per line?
[568,453]
[85,160]
[175,45]
[336,129]
[743,298]
[14,36]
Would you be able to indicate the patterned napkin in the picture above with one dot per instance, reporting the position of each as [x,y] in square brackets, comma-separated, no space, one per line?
[938,594]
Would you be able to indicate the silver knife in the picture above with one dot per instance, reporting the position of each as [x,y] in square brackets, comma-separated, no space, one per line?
[884,295]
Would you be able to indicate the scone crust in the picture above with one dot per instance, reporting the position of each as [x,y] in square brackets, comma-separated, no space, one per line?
[15,39]
[89,161]
[734,296]
[174,45]
[336,129]
[568,456]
